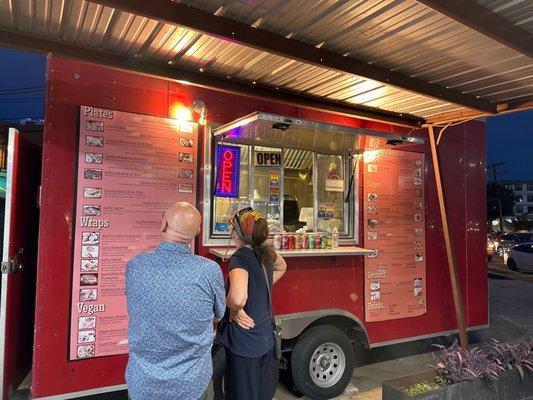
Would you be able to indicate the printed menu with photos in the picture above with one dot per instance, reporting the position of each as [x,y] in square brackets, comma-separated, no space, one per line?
[394,223]
[131,167]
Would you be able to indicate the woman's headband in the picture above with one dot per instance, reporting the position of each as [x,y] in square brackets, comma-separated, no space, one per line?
[245,221]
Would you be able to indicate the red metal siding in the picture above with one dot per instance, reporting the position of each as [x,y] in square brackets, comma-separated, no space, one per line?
[462,159]
[309,283]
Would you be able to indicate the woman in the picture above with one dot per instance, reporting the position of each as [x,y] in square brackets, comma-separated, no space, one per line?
[247,329]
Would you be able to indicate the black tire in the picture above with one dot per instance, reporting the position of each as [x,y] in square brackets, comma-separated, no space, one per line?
[511,264]
[219,367]
[322,341]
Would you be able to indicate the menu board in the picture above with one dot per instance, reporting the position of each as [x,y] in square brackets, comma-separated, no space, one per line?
[395,273]
[131,167]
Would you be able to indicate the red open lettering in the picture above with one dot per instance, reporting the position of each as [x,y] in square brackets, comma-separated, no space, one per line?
[228,155]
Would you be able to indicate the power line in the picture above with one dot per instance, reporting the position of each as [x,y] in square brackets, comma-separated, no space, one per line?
[17,101]
[21,92]
[22,88]
[21,117]
[21,98]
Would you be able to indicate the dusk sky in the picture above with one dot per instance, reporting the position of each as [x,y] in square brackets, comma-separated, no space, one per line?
[21,70]
[509,137]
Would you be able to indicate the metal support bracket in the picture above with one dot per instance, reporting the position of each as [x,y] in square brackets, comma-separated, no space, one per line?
[13,264]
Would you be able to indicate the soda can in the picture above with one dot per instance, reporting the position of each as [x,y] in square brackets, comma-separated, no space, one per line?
[323,241]
[317,240]
[285,242]
[311,241]
[277,242]
[305,241]
[297,241]
[291,242]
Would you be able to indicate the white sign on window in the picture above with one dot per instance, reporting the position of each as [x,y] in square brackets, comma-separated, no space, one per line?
[267,159]
[334,183]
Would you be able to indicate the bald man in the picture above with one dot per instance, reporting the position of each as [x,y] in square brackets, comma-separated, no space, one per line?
[173,298]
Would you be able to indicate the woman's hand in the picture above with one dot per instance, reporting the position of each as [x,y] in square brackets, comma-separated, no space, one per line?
[242,319]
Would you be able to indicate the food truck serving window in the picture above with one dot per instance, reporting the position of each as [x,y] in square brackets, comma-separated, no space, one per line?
[301,175]
[295,190]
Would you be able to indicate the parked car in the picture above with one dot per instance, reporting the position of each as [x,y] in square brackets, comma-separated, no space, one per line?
[521,257]
[508,240]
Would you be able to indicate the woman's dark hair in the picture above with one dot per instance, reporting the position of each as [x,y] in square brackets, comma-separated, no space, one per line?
[262,247]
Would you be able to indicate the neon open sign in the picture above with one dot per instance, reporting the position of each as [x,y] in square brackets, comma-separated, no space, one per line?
[228,163]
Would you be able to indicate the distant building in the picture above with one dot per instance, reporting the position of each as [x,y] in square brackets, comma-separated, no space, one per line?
[523,191]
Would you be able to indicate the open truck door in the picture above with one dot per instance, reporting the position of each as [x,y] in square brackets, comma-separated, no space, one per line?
[17,296]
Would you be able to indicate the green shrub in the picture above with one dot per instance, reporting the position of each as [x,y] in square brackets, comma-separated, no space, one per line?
[419,388]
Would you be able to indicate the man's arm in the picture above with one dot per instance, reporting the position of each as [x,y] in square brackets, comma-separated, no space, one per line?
[219,293]
[130,270]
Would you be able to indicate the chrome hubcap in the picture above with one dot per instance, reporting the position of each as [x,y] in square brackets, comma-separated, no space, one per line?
[327,365]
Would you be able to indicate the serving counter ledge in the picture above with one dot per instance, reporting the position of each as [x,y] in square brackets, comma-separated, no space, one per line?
[339,251]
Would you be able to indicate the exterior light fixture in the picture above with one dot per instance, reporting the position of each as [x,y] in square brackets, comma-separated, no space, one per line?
[199,107]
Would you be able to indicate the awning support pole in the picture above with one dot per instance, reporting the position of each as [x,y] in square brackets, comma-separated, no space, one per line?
[454,279]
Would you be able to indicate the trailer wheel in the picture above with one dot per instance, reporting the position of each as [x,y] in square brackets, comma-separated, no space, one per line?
[219,367]
[322,362]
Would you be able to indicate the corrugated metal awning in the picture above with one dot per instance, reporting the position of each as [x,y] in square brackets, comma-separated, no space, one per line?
[404,37]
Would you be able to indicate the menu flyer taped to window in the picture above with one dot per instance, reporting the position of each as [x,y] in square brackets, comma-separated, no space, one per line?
[131,167]
[395,274]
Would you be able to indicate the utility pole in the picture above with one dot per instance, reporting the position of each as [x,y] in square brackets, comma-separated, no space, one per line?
[493,166]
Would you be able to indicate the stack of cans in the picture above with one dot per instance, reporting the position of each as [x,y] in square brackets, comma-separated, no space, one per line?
[290,241]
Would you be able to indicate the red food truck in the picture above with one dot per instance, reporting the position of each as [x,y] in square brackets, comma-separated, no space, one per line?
[351,204]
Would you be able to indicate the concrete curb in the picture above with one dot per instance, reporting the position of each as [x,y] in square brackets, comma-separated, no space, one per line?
[506,274]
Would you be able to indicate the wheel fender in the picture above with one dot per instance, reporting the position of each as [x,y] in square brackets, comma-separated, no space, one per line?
[294,324]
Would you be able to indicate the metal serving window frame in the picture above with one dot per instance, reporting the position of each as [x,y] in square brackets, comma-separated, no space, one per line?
[350,233]
[353,204]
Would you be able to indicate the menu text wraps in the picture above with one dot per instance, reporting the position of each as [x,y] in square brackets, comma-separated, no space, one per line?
[131,167]
[394,223]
